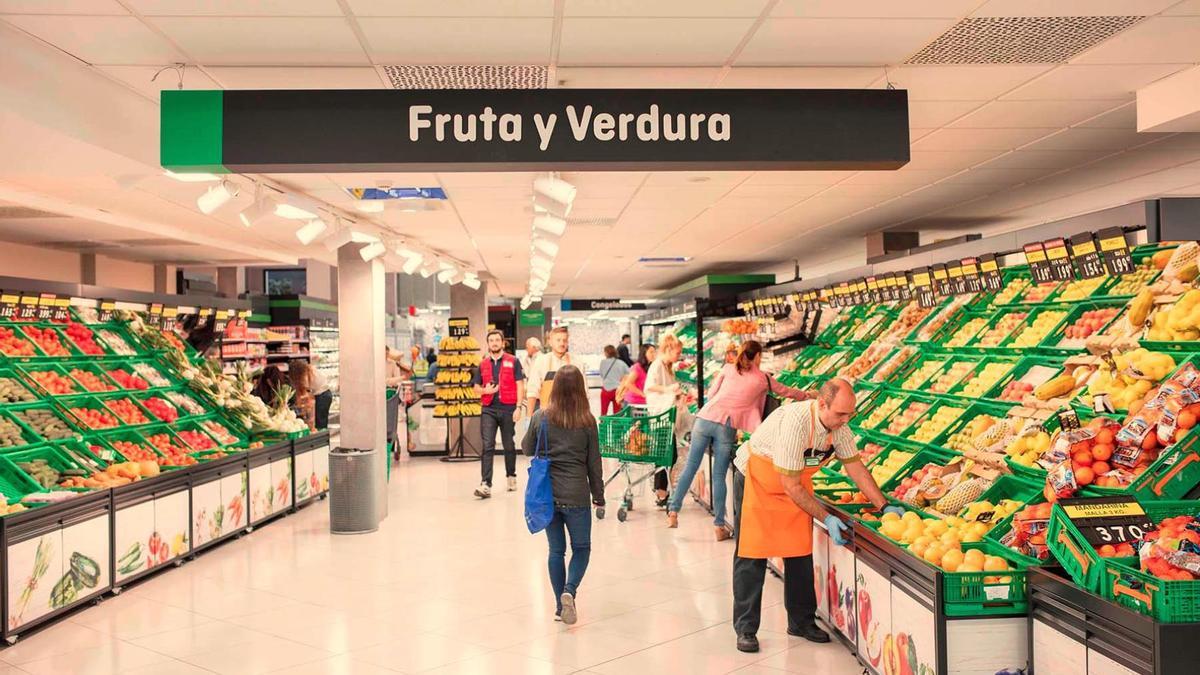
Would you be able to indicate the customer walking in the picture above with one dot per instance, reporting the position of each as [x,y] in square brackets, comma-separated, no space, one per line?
[499,383]
[612,372]
[635,381]
[300,375]
[774,506]
[736,402]
[663,392]
[573,446]
[623,350]
[545,366]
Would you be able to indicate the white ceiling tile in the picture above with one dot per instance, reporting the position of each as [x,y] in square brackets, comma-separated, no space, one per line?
[1009,114]
[798,177]
[637,78]
[265,41]
[475,8]
[934,114]
[1044,159]
[961,83]
[1122,117]
[906,175]
[710,179]
[874,8]
[89,7]
[664,8]
[299,77]
[108,40]
[379,179]
[985,176]
[649,41]
[459,41]
[799,78]
[793,192]
[138,77]
[1169,39]
[1072,7]
[236,7]
[1114,82]
[514,179]
[1094,139]
[1185,8]
[979,139]
[850,42]
[935,160]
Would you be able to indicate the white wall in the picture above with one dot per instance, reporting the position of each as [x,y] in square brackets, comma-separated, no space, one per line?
[133,276]
[29,262]
[318,279]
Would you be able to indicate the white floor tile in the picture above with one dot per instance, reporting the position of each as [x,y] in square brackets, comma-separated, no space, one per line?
[448,584]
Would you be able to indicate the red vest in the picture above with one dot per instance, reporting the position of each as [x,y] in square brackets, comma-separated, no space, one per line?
[508,378]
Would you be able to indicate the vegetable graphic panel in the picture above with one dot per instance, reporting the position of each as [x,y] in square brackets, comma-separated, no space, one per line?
[85,564]
[843,600]
[281,480]
[134,526]
[304,476]
[321,467]
[206,512]
[874,615]
[171,520]
[233,495]
[912,649]
[820,569]
[34,567]
[261,492]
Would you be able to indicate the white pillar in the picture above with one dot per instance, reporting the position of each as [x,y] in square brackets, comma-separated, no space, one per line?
[472,304]
[361,346]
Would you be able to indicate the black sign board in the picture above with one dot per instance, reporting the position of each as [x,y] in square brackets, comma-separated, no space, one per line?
[1059,258]
[922,287]
[105,310]
[1039,265]
[1087,257]
[941,279]
[221,321]
[958,282]
[47,302]
[534,129]
[10,304]
[1114,251]
[989,272]
[971,279]
[458,326]
[597,304]
[62,310]
[1107,520]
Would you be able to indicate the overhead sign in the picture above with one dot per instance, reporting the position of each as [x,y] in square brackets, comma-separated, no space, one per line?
[532,317]
[597,304]
[458,326]
[533,129]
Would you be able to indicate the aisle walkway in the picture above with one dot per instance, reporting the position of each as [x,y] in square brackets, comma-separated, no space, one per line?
[448,585]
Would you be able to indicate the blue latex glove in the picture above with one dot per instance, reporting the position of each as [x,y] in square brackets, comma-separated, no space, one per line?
[837,530]
[892,508]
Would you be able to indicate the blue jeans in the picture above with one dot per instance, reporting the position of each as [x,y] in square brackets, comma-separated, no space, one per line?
[576,520]
[704,434]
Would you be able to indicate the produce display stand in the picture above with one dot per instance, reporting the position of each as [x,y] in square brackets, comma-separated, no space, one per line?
[311,467]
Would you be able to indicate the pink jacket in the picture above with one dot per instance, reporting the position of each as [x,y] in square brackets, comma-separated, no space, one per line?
[739,397]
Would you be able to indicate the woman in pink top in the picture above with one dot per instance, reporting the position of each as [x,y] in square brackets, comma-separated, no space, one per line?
[635,381]
[735,403]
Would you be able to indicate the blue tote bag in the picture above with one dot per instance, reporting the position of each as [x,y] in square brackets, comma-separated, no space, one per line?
[539,499]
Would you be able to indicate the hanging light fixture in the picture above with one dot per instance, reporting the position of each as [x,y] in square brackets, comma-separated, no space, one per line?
[295,207]
[471,281]
[545,246]
[538,262]
[261,208]
[216,197]
[372,251]
[553,195]
[309,231]
[551,224]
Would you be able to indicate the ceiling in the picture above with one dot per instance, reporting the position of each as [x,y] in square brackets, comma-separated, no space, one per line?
[995,146]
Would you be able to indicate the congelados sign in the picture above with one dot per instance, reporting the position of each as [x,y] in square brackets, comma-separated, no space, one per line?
[534,129]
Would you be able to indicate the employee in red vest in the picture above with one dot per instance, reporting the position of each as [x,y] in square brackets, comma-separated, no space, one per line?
[499,382]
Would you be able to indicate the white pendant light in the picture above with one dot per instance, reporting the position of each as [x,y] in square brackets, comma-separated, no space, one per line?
[540,274]
[296,208]
[552,224]
[553,195]
[216,197]
[261,208]
[538,262]
[471,281]
[372,251]
[546,246]
[411,265]
[309,232]
[427,272]
[448,276]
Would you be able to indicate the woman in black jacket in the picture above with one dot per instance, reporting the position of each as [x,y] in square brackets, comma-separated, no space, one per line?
[573,447]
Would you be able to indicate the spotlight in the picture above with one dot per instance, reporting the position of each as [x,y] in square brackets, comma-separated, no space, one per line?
[427,272]
[525,302]
[192,177]
[309,232]
[411,265]
[546,246]
[296,208]
[216,197]
[448,276]
[544,275]
[540,263]
[471,281]
[261,208]
[548,223]
[553,195]
[372,251]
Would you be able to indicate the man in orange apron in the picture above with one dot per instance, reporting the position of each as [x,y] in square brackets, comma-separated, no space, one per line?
[775,506]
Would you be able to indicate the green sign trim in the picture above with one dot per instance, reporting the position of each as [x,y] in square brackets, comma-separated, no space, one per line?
[191,131]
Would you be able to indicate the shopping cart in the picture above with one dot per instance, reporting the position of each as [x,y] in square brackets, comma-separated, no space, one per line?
[634,437]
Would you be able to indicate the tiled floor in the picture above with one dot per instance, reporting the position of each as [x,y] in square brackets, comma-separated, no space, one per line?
[448,584]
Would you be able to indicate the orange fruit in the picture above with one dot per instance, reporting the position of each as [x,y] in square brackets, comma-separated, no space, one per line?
[1101,452]
[1100,468]
[1107,551]
[1084,476]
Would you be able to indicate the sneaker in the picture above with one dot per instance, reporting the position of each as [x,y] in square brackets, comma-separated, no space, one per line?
[569,616]
[811,633]
[512,483]
[672,520]
[747,643]
[558,617]
[483,491]
[722,533]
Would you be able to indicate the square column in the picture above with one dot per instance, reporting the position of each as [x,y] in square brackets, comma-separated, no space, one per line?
[363,377]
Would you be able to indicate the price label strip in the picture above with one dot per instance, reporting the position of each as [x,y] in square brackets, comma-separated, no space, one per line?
[1114,251]
[958,284]
[1059,259]
[1039,265]
[28,309]
[989,273]
[971,280]
[106,310]
[1087,256]
[922,288]
[941,280]
[221,321]
[10,304]
[47,303]
[62,310]
[459,326]
[1108,520]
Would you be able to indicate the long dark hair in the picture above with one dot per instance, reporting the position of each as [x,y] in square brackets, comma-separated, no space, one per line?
[569,408]
[269,382]
[300,377]
[643,360]
[750,351]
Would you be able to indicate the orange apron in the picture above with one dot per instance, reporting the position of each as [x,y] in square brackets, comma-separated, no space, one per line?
[772,525]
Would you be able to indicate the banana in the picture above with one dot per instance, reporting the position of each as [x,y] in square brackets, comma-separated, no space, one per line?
[1139,308]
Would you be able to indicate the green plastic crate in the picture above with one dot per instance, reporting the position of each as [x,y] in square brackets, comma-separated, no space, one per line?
[194,426]
[954,327]
[27,434]
[108,439]
[53,456]
[1076,555]
[1051,345]
[15,483]
[883,400]
[1174,474]
[976,344]
[938,404]
[20,415]
[980,391]
[922,370]
[1123,582]
[17,382]
[1036,314]
[31,370]
[1020,370]
[926,456]
[968,366]
[94,368]
[997,410]
[978,594]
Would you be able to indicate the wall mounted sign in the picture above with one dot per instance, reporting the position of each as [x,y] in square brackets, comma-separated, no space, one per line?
[533,129]
[532,317]
[597,304]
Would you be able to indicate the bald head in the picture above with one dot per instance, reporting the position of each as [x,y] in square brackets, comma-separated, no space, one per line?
[835,403]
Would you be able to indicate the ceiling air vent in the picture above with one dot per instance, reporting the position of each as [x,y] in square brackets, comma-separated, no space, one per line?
[664,261]
[1020,39]
[23,212]
[467,77]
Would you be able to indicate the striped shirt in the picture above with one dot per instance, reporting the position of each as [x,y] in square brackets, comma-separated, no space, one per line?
[794,439]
